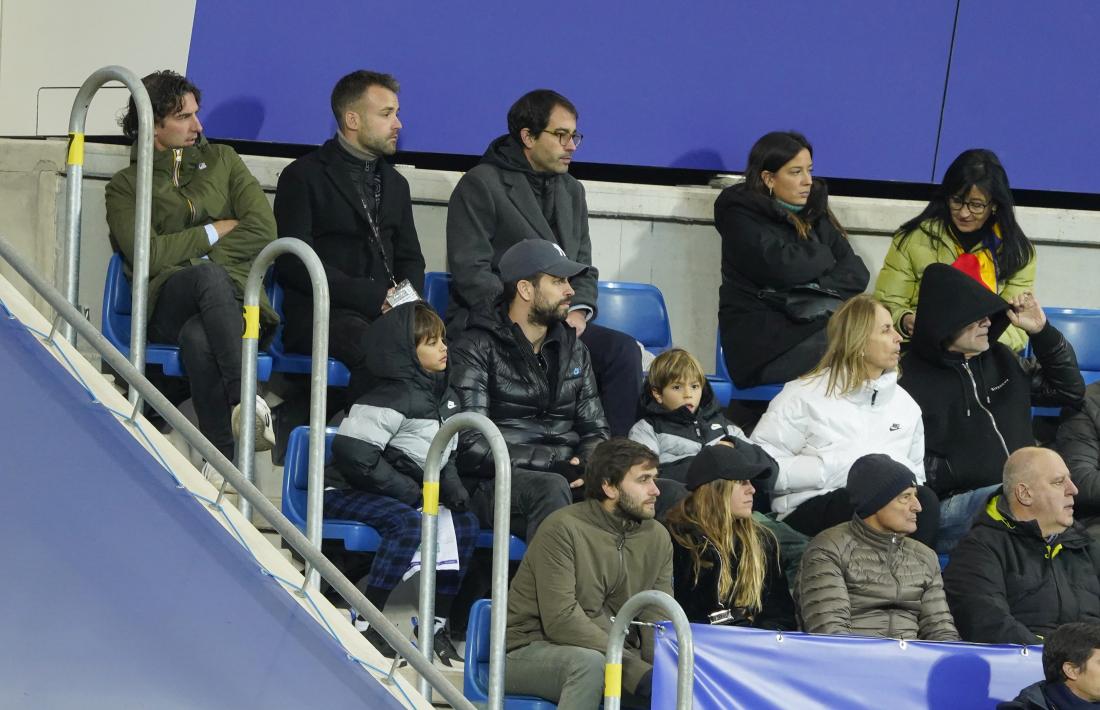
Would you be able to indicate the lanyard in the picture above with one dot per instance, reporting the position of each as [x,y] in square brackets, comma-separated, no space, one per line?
[376,239]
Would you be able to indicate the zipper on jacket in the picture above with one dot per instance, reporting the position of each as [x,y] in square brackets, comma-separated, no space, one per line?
[177,161]
[978,399]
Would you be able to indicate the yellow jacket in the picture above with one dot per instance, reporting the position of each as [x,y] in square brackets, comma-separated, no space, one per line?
[899,280]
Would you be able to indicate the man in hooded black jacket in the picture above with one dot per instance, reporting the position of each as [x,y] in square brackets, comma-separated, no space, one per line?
[975,394]
[522,190]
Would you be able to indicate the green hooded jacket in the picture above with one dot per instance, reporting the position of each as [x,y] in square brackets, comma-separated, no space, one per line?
[193,187]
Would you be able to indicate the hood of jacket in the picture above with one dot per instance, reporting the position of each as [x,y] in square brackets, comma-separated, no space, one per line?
[949,301]
[817,205]
[392,355]
[506,153]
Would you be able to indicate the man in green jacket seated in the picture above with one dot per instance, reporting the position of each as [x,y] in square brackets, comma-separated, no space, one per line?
[584,563]
[210,219]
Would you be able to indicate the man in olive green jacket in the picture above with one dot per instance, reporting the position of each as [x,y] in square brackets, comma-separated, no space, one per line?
[210,219]
[584,563]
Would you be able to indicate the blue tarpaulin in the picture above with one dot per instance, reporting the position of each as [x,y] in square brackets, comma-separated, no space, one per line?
[751,668]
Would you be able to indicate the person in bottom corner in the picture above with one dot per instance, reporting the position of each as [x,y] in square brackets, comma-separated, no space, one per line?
[379,455]
[725,565]
[1071,670]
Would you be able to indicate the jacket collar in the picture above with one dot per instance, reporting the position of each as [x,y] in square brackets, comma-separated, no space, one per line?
[875,392]
[523,197]
[998,515]
[330,156]
[882,540]
[615,524]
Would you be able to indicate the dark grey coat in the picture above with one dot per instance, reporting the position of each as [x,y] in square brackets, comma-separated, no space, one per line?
[493,207]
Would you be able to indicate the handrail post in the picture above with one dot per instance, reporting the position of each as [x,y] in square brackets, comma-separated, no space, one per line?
[246,443]
[501,533]
[289,532]
[143,198]
[685,653]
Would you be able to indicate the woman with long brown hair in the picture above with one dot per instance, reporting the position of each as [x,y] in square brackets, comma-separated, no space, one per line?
[849,406]
[725,565]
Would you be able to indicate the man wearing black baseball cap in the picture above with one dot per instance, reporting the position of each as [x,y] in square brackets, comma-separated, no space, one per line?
[523,368]
[865,577]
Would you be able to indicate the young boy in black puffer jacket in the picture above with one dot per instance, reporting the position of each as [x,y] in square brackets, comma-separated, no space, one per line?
[679,414]
[380,451]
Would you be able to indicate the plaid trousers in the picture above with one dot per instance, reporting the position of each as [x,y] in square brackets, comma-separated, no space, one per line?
[398,526]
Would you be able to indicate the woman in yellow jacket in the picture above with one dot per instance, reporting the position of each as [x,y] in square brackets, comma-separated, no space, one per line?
[971,224]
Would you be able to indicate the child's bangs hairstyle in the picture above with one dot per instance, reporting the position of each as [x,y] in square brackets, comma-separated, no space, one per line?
[427,324]
[676,365]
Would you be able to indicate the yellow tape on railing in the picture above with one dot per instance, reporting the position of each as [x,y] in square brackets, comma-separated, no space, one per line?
[251,322]
[431,498]
[76,149]
[613,680]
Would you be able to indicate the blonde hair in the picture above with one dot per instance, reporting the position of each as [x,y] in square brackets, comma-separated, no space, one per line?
[675,365]
[708,510]
[848,331]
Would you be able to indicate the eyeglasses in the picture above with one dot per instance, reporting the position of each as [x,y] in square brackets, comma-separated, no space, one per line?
[564,136]
[976,207]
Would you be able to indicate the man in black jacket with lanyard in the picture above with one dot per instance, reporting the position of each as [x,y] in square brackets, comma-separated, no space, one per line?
[520,191]
[975,394]
[351,206]
[518,364]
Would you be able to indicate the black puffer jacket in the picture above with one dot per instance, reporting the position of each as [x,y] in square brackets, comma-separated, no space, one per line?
[700,598]
[676,436]
[546,417]
[1078,442]
[977,411]
[382,445]
[1007,584]
[761,249]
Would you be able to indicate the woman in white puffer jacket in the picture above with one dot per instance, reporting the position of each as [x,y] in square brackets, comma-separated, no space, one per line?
[850,405]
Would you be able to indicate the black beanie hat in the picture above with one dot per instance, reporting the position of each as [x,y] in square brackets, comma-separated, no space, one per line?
[876,479]
[741,462]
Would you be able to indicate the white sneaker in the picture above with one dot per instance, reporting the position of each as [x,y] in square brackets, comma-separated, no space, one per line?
[265,432]
[211,474]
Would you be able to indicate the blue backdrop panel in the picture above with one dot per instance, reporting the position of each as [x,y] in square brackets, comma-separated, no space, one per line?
[750,668]
[655,85]
[120,590]
[1024,84]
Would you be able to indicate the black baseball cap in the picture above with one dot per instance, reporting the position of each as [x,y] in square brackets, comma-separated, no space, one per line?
[537,256]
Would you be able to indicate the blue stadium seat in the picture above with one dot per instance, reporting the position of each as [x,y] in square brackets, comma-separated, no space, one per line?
[437,291]
[116,319]
[516,547]
[638,310]
[357,536]
[1081,326]
[475,683]
[293,363]
[725,390]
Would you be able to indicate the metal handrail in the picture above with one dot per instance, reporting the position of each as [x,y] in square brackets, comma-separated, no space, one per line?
[246,442]
[502,506]
[68,313]
[143,210]
[685,653]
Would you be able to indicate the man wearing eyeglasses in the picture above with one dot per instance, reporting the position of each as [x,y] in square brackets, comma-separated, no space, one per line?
[522,190]
[974,392]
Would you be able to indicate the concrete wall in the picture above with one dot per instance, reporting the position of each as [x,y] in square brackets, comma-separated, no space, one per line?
[49,47]
[660,235]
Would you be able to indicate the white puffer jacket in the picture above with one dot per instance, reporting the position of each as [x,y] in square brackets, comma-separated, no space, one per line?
[816,439]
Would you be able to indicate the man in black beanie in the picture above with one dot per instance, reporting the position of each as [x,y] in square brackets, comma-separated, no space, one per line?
[866,577]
